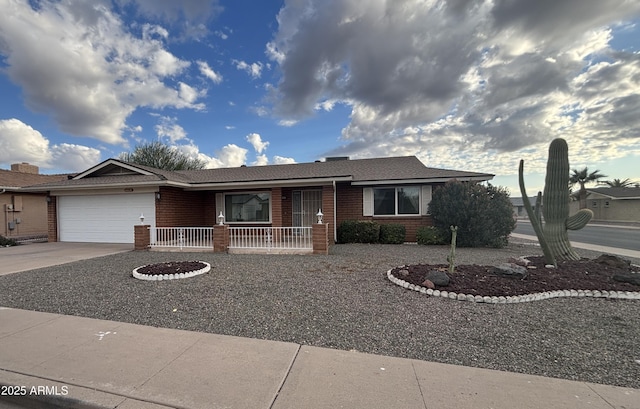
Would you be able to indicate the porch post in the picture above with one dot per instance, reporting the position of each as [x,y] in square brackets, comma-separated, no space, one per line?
[320,238]
[220,238]
[141,236]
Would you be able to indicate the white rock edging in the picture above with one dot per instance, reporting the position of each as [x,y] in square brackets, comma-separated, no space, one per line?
[624,295]
[161,277]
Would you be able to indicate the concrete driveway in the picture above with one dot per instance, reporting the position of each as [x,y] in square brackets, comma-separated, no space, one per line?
[38,255]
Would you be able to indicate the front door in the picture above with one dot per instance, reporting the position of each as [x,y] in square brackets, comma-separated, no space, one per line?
[306,204]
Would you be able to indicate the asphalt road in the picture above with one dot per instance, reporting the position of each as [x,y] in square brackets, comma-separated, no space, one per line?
[622,237]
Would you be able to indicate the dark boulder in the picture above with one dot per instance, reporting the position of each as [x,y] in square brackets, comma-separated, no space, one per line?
[631,278]
[437,277]
[613,261]
[510,270]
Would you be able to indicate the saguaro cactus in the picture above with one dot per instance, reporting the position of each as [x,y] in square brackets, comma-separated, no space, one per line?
[552,235]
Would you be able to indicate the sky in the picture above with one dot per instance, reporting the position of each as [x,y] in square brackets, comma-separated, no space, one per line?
[462,84]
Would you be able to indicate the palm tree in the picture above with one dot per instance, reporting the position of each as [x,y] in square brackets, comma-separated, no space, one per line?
[618,183]
[161,156]
[582,177]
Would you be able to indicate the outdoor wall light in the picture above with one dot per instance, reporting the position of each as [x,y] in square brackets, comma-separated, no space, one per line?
[157,195]
[221,219]
[48,199]
[141,218]
[319,215]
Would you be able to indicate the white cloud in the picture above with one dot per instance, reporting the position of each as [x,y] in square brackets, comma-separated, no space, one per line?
[281,160]
[261,160]
[208,72]
[229,127]
[260,110]
[232,155]
[73,157]
[287,122]
[253,69]
[228,156]
[171,10]
[256,141]
[221,34]
[19,142]
[77,62]
[168,128]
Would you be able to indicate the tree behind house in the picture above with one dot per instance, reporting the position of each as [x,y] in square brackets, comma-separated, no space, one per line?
[619,183]
[161,156]
[583,177]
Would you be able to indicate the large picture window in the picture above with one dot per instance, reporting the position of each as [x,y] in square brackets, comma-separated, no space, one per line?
[247,207]
[396,201]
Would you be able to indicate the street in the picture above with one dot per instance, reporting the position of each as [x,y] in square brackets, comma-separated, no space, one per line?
[603,235]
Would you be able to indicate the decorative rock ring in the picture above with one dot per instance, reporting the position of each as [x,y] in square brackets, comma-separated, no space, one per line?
[180,269]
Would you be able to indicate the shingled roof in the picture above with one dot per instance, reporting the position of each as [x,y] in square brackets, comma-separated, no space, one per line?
[360,171]
[10,180]
[617,192]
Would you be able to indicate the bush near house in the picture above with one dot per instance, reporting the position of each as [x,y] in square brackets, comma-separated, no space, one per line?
[430,235]
[483,214]
[392,233]
[358,231]
[361,231]
[6,242]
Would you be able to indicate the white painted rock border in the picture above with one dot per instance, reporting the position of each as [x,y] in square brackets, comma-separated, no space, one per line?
[161,277]
[625,295]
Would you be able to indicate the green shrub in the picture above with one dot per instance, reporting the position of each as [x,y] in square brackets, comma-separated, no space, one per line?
[358,231]
[430,235]
[483,214]
[392,233]
[5,242]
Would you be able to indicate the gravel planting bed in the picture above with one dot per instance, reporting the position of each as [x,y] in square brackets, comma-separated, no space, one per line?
[345,301]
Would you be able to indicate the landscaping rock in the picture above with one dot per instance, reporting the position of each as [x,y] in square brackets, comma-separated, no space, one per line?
[429,284]
[510,270]
[613,261]
[632,278]
[404,272]
[437,277]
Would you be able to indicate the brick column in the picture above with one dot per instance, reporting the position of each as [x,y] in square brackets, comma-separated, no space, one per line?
[52,219]
[220,238]
[320,238]
[141,236]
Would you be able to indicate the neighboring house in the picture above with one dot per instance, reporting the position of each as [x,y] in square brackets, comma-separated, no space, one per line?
[518,206]
[103,203]
[612,203]
[24,214]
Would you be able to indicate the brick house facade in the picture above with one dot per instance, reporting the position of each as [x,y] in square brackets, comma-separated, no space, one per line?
[115,193]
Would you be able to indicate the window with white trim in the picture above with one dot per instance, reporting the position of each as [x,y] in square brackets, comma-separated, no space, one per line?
[396,201]
[252,207]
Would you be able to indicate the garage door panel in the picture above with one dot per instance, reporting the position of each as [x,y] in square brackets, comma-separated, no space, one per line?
[103,218]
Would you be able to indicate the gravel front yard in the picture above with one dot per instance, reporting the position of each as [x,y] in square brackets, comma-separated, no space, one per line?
[344,301]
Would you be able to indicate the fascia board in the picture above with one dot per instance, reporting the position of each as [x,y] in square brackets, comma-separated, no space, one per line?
[104,186]
[268,183]
[420,181]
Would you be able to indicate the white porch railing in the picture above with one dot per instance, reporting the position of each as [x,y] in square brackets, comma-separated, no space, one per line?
[180,237]
[267,238]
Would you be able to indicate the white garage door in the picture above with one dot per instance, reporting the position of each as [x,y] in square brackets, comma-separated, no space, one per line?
[103,218]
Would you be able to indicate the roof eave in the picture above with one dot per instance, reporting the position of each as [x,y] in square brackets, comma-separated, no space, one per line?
[422,181]
[104,186]
[269,183]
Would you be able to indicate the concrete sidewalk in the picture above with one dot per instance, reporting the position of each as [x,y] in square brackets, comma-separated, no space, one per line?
[87,363]
[38,255]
